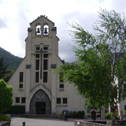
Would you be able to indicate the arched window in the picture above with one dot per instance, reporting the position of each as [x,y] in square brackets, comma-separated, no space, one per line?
[45,29]
[38,30]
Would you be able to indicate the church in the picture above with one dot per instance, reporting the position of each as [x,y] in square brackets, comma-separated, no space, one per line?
[35,86]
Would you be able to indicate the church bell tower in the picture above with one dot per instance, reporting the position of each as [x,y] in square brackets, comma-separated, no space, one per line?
[41,59]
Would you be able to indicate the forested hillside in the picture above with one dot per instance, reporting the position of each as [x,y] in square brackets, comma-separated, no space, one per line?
[10,59]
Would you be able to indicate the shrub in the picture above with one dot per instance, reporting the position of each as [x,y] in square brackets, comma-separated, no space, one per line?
[124,114]
[78,114]
[5,96]
[16,110]
[70,114]
[4,118]
[88,115]
[74,114]
[108,115]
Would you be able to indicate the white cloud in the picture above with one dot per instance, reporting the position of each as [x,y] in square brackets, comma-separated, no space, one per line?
[17,14]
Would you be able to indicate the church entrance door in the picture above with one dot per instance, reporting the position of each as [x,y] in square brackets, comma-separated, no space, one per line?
[40,103]
[40,107]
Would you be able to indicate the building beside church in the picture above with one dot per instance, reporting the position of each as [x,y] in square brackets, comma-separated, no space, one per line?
[35,86]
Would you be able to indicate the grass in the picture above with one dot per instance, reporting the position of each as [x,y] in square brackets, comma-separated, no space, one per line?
[4,118]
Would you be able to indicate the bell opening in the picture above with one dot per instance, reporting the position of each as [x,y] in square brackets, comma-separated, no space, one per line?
[45,30]
[38,30]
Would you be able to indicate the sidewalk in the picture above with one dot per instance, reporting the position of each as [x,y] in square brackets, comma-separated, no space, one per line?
[41,122]
[45,122]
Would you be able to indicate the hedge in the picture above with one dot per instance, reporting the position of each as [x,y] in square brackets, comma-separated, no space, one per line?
[74,114]
[17,109]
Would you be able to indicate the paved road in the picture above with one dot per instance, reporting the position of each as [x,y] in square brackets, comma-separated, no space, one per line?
[16,121]
[41,122]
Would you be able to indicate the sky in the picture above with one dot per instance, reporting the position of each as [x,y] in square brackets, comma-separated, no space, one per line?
[15,16]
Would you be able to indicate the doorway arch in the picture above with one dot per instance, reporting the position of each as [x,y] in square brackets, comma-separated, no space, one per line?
[40,103]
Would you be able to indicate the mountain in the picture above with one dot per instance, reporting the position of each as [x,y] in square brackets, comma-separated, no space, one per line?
[10,59]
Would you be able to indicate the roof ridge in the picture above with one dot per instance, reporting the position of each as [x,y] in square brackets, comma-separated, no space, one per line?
[46,17]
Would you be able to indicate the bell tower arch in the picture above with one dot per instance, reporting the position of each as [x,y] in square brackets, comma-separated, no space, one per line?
[38,30]
[45,29]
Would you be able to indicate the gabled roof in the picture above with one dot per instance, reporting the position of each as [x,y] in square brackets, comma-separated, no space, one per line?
[42,16]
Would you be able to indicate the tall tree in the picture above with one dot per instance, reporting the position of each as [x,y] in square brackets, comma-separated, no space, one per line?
[8,75]
[3,67]
[5,73]
[99,72]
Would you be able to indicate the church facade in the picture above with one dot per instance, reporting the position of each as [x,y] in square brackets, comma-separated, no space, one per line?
[35,86]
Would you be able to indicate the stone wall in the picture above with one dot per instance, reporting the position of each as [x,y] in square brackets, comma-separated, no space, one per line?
[4,123]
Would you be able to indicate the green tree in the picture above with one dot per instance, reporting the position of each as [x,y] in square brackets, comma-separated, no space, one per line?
[99,71]
[5,96]
[5,73]
[91,74]
[8,75]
